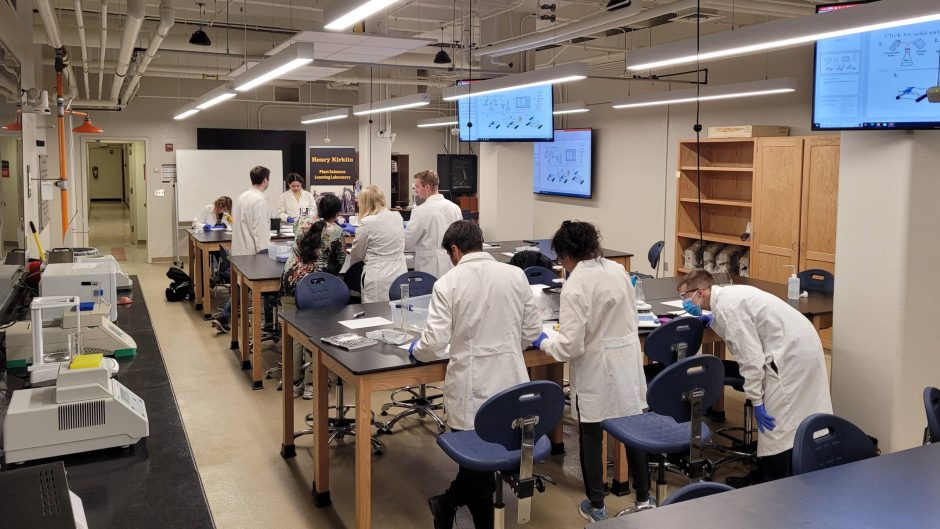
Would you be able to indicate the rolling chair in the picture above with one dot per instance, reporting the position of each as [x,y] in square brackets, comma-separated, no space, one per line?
[816,280]
[316,291]
[353,280]
[416,401]
[673,428]
[509,437]
[673,341]
[222,275]
[932,405]
[537,275]
[696,490]
[653,255]
[842,443]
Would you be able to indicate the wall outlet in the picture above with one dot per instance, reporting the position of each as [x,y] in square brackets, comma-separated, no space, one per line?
[159,192]
[665,266]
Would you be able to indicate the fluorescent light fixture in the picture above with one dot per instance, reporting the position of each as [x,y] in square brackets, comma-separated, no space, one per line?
[711,93]
[787,33]
[557,74]
[342,14]
[292,57]
[215,97]
[437,122]
[185,112]
[570,108]
[389,105]
[320,117]
[564,32]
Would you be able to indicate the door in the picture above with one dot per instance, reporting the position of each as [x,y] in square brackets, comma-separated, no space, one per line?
[106,172]
[11,217]
[778,185]
[820,190]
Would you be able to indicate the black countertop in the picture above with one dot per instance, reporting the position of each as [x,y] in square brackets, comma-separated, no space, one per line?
[664,289]
[153,484]
[257,267]
[545,246]
[894,490]
[223,236]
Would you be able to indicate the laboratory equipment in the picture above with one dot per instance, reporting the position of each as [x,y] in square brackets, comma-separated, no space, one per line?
[123,281]
[82,279]
[727,259]
[793,284]
[744,265]
[692,256]
[710,254]
[86,410]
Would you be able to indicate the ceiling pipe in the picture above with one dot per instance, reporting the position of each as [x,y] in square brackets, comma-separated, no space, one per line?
[80,22]
[167,19]
[47,15]
[102,46]
[405,81]
[132,24]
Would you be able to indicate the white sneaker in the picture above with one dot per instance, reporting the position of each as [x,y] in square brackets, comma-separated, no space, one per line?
[298,390]
[648,504]
[308,391]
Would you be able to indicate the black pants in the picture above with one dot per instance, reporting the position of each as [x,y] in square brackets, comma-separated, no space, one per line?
[592,465]
[472,488]
[776,466]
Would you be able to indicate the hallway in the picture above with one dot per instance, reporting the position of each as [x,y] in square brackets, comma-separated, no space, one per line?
[109,228]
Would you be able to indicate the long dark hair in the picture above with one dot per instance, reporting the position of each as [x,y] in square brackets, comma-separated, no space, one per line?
[309,245]
[577,240]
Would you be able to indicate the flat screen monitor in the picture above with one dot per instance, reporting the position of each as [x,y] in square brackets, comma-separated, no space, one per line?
[514,115]
[563,167]
[877,80]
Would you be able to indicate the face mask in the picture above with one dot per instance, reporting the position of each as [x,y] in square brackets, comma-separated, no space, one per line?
[690,307]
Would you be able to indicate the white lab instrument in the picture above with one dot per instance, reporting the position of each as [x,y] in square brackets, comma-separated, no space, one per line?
[82,279]
[85,410]
[124,282]
[279,251]
[692,256]
[727,259]
[547,302]
[710,254]
[793,284]
[417,312]
[744,265]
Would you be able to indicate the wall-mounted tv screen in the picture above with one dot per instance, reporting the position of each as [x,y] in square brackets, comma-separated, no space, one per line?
[514,115]
[563,167]
[877,80]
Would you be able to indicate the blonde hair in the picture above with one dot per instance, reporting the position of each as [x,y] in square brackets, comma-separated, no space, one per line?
[371,201]
[429,177]
[222,202]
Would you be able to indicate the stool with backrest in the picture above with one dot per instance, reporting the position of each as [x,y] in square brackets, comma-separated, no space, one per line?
[317,291]
[817,280]
[510,435]
[694,491]
[743,448]
[653,255]
[416,400]
[823,441]
[537,275]
[674,427]
[932,406]
[678,339]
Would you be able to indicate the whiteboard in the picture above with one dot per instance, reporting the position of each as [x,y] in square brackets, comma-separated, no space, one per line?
[204,175]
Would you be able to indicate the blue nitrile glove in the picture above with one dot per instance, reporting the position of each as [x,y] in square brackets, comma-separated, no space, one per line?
[538,341]
[706,320]
[633,280]
[290,220]
[764,421]
[206,227]
[411,349]
[349,228]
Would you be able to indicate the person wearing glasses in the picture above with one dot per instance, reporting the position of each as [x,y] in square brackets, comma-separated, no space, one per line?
[598,338]
[428,223]
[780,357]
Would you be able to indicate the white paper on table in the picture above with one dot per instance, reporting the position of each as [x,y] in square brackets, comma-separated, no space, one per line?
[362,323]
[508,254]
[677,304]
[489,246]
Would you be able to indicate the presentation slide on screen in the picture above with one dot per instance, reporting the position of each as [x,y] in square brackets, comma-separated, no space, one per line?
[878,79]
[516,115]
[563,167]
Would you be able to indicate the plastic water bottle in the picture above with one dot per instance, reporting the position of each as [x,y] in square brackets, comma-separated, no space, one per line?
[793,285]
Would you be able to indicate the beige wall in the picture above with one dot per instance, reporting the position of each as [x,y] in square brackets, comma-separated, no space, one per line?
[110,163]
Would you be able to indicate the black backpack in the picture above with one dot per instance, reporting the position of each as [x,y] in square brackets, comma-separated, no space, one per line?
[527,258]
[181,286]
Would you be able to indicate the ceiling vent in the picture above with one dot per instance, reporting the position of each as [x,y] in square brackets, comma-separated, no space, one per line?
[692,16]
[287,94]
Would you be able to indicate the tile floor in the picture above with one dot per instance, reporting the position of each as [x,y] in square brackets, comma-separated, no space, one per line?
[235,432]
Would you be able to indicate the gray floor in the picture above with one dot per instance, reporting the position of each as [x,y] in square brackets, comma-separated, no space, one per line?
[235,432]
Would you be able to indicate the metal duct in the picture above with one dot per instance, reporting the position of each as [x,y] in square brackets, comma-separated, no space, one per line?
[132,24]
[167,19]
[102,46]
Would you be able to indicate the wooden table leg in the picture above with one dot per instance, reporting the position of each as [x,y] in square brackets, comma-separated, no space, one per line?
[620,483]
[287,374]
[234,305]
[363,454]
[197,276]
[245,341]
[206,291]
[190,257]
[321,431]
[556,373]
[255,346]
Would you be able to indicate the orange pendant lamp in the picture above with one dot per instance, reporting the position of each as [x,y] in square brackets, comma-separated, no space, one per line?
[87,128]
[15,126]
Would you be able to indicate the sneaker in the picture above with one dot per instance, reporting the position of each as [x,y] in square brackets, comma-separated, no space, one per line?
[590,513]
[308,391]
[443,510]
[644,504]
[298,389]
[221,325]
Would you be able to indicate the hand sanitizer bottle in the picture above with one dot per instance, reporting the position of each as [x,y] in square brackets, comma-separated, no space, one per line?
[793,284]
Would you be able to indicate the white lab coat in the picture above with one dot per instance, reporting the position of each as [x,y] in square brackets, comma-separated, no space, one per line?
[251,232]
[485,310]
[425,232]
[760,328]
[208,216]
[289,206]
[380,242]
[600,342]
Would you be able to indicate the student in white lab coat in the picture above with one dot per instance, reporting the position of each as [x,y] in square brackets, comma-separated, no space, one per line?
[599,340]
[428,223]
[780,357]
[294,199]
[380,242]
[251,231]
[219,212]
[485,311]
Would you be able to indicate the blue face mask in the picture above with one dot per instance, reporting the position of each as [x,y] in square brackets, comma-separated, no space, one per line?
[691,308]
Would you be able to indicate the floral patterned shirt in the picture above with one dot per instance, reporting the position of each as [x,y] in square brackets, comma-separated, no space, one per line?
[330,255]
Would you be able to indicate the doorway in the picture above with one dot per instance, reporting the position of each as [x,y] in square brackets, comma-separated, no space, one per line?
[11,197]
[115,173]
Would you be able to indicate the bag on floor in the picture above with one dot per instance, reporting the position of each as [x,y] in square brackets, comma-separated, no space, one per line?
[181,286]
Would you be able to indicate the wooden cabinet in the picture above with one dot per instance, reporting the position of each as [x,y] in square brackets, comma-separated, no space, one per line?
[785,187]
